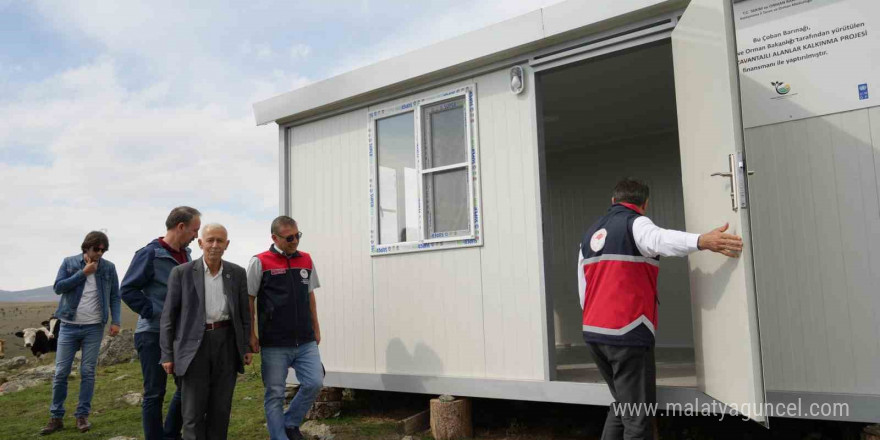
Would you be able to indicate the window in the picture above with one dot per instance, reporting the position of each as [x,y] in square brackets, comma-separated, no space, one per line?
[424,191]
[398,184]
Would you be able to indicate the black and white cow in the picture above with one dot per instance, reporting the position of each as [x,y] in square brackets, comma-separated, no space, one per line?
[41,340]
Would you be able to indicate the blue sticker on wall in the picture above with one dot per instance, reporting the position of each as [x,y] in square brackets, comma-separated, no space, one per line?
[863,92]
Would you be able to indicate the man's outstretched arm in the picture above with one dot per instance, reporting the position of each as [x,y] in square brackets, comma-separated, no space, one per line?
[654,241]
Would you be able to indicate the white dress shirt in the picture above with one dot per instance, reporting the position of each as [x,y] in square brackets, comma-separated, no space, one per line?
[216,309]
[652,241]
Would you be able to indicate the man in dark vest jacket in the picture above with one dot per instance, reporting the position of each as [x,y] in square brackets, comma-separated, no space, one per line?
[618,266]
[281,285]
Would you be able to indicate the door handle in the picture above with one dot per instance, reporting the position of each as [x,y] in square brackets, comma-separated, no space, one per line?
[751,173]
[737,181]
[730,176]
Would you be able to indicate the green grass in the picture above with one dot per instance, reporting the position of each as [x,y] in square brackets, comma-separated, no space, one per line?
[23,414]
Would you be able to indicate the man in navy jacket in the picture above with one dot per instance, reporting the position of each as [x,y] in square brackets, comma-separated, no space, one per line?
[143,289]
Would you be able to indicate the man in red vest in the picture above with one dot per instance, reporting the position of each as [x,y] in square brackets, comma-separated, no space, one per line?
[618,267]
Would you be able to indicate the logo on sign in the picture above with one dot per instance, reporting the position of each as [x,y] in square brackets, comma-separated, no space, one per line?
[863,92]
[597,242]
[781,88]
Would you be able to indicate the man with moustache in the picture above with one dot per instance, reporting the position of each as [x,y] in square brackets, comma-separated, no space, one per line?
[204,335]
[281,284]
[143,289]
[89,289]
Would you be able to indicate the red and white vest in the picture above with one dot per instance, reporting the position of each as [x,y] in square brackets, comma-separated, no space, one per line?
[618,285]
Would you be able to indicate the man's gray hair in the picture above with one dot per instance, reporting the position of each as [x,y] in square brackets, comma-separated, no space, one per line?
[281,220]
[210,226]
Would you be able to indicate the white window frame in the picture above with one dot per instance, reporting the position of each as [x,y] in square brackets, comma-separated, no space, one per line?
[474,237]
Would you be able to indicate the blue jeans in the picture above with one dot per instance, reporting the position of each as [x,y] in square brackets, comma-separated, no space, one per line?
[72,338]
[306,363]
[155,380]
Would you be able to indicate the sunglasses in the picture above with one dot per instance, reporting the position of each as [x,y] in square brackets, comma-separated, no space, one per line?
[99,250]
[292,237]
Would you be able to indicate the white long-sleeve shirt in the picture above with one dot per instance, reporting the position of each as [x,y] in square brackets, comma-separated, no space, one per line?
[652,241]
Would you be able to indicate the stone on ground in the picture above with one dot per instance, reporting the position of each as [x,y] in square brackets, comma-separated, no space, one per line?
[11,364]
[316,431]
[132,398]
[16,385]
[117,349]
[324,410]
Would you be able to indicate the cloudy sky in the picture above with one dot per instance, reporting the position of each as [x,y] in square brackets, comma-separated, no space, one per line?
[112,113]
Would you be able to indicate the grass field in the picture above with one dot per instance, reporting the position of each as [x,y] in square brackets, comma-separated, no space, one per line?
[23,414]
[15,316]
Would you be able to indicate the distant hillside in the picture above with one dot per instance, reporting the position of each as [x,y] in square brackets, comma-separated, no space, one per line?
[40,294]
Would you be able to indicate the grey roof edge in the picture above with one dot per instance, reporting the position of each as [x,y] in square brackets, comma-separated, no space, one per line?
[514,37]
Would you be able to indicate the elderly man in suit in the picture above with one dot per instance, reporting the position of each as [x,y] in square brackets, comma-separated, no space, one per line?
[203,335]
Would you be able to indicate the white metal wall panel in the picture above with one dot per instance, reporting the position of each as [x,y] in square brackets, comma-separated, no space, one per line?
[511,257]
[429,313]
[816,224]
[329,200]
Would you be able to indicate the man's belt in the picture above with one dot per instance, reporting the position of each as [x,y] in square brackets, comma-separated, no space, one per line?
[218,324]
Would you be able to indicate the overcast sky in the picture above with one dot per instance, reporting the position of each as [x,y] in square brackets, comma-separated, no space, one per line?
[112,113]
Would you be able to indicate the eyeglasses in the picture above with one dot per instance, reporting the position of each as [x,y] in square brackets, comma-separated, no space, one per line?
[99,250]
[291,237]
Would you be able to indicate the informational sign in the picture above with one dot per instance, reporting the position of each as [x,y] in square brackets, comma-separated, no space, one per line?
[805,58]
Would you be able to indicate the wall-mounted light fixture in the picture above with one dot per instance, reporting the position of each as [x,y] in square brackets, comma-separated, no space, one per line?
[517,80]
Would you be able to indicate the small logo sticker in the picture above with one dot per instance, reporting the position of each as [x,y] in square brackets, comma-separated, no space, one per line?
[863,92]
[277,271]
[598,240]
[781,88]
[303,273]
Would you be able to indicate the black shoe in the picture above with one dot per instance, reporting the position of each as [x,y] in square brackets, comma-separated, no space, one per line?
[293,433]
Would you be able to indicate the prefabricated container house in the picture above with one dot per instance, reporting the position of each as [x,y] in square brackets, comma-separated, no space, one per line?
[443,194]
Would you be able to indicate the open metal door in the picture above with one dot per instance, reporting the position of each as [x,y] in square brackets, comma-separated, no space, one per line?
[728,355]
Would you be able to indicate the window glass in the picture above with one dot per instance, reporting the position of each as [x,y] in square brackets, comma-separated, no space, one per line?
[446,196]
[444,133]
[397,179]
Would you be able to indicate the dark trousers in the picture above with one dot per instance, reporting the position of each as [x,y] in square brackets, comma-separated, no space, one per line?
[208,386]
[631,376]
[155,381]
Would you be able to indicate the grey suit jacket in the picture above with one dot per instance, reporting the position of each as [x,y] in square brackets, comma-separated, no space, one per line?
[182,327]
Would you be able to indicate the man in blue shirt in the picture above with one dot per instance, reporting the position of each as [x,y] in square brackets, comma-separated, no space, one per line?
[89,289]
